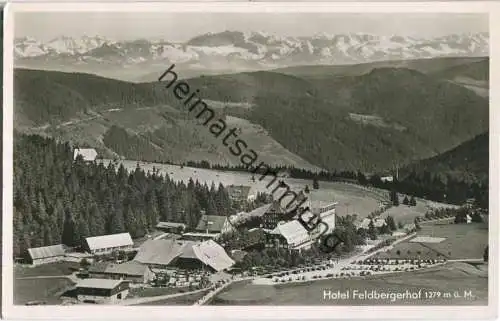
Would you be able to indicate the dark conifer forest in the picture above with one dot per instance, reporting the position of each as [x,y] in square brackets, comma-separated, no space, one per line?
[61,200]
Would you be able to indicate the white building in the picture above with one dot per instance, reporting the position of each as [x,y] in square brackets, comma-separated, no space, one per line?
[106,244]
[297,237]
[88,154]
[293,234]
[387,179]
[102,290]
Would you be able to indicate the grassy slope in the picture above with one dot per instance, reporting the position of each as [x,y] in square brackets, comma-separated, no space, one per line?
[450,278]
[462,241]
[47,290]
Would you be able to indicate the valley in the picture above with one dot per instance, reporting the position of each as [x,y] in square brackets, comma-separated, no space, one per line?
[361,121]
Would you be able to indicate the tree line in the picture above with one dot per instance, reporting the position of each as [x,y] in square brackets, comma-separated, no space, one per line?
[427,185]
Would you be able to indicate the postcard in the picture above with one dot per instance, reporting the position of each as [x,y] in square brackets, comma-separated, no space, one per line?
[249,160]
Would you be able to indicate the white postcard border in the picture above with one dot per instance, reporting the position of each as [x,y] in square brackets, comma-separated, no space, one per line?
[251,312]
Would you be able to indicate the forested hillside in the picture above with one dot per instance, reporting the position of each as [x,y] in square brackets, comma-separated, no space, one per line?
[364,122]
[479,70]
[468,162]
[58,200]
[133,121]
[426,66]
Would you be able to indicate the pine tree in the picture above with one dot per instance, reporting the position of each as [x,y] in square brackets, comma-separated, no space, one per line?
[18,232]
[117,222]
[417,224]
[315,183]
[69,231]
[406,201]
[372,231]
[394,198]
[390,223]
[413,202]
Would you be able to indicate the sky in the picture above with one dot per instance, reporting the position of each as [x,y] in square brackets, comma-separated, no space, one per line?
[178,27]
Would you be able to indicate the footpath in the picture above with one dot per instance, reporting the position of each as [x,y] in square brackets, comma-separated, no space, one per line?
[134,301]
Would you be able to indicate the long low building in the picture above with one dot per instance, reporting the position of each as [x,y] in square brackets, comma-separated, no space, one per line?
[131,271]
[45,254]
[106,244]
[184,254]
[172,227]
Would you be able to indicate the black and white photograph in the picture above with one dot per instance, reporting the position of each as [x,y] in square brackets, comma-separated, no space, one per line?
[248,158]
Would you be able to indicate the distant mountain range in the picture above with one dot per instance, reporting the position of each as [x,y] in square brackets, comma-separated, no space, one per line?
[233,51]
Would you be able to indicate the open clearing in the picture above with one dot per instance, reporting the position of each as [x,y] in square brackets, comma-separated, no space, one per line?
[51,269]
[406,214]
[149,292]
[46,290]
[449,278]
[462,241]
[351,198]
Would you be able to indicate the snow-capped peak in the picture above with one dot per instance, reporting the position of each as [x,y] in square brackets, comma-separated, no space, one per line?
[229,49]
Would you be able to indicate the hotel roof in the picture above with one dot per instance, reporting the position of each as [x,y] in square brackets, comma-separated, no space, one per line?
[212,254]
[292,231]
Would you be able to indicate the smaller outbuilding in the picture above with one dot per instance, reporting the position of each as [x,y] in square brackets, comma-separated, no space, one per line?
[102,290]
[88,154]
[171,227]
